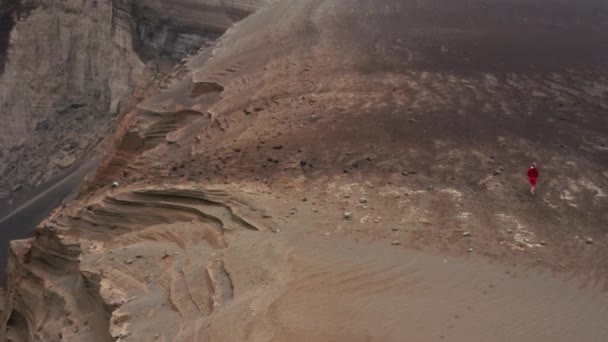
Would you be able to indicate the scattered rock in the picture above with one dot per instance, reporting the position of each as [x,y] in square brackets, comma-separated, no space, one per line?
[497,172]
[470,250]
[466,234]
[348,216]
[129,261]
[396,243]
[303,163]
[363,200]
[589,241]
[304,199]
[165,255]
[17,188]
[543,242]
[115,184]
[139,256]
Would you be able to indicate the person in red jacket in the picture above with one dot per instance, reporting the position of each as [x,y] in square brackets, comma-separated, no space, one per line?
[532,177]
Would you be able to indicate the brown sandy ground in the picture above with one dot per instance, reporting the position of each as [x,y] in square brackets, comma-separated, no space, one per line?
[354,171]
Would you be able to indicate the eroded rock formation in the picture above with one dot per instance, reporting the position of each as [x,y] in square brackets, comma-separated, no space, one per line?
[68,292]
[67,69]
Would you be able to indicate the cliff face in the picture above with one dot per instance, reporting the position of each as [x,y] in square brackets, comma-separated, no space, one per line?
[67,69]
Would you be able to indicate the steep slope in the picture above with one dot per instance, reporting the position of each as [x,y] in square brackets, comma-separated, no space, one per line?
[96,54]
[345,171]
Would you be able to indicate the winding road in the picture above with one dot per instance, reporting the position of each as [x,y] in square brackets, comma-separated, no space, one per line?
[21,221]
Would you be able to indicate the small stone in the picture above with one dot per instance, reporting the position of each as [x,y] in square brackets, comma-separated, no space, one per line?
[327,234]
[589,241]
[129,261]
[497,172]
[139,256]
[396,243]
[304,199]
[470,250]
[348,216]
[165,256]
[315,210]
[276,230]
[303,163]
[363,200]
[156,336]
[75,329]
[115,184]
[370,158]
[543,242]
[466,234]
[278,147]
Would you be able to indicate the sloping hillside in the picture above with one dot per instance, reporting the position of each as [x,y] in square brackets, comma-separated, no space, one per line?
[344,171]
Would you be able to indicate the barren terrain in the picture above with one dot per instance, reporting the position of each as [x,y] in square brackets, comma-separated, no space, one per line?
[345,171]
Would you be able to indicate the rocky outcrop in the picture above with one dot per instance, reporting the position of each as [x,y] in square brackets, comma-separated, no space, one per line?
[94,274]
[68,68]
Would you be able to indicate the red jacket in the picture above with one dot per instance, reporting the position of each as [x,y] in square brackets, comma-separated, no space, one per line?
[532,172]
